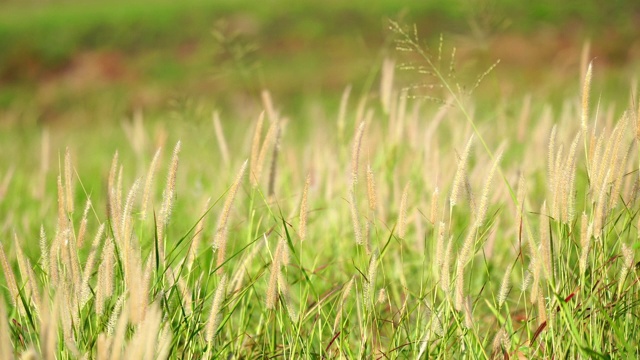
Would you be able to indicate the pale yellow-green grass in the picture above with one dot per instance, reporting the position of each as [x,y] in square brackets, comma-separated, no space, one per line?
[471,237]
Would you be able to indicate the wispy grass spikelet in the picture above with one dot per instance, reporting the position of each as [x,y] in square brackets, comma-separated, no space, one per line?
[272,289]
[105,276]
[273,169]
[148,184]
[585,242]
[6,349]
[220,238]
[167,201]
[346,290]
[433,214]
[371,189]
[355,218]
[584,118]
[68,186]
[214,314]
[85,291]
[545,242]
[505,286]
[445,276]
[83,225]
[355,154]
[484,200]
[269,140]
[370,285]
[255,151]
[627,264]
[222,142]
[460,173]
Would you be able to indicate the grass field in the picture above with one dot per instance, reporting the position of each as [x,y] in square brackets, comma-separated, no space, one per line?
[428,210]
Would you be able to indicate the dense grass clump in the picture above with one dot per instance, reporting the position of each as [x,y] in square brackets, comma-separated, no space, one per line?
[399,229]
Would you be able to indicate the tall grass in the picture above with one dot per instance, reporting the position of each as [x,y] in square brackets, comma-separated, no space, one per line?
[434,256]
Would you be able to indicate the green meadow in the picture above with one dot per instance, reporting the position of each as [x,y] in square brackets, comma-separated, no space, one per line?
[371,180]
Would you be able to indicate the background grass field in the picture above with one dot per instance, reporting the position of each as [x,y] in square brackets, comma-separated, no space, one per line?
[345,184]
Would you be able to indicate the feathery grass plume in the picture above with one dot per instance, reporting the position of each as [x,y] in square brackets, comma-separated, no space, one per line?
[197,235]
[484,200]
[71,264]
[468,316]
[214,314]
[68,186]
[164,342]
[167,201]
[382,296]
[105,276]
[272,289]
[445,276]
[355,218]
[236,282]
[542,309]
[386,84]
[6,349]
[126,227]
[255,151]
[460,173]
[140,280]
[627,264]
[545,242]
[269,140]
[585,101]
[557,188]
[120,326]
[342,112]
[346,290]
[596,154]
[551,160]
[143,343]
[26,272]
[112,200]
[585,242]
[222,142]
[116,314]
[62,216]
[267,102]
[273,169]
[85,291]
[370,285]
[220,238]
[567,205]
[505,286]
[402,212]
[600,212]
[497,346]
[148,184]
[433,214]
[49,318]
[83,225]
[283,289]
[371,189]
[439,250]
[302,230]
[535,267]
[355,155]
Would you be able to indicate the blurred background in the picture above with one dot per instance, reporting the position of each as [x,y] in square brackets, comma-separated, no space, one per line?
[73,62]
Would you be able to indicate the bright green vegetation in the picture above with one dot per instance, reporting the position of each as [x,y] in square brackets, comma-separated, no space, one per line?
[392,227]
